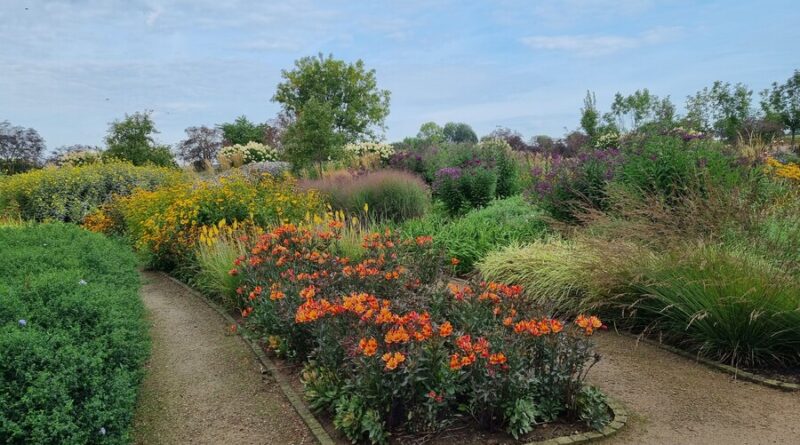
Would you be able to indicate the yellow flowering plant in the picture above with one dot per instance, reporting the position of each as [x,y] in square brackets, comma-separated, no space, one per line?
[788,170]
[169,222]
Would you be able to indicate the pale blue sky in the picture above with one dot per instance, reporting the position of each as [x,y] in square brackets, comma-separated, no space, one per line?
[69,67]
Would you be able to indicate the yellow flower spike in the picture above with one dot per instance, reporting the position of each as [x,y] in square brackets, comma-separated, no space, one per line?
[366,207]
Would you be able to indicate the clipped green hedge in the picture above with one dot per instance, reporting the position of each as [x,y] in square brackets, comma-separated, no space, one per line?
[73,340]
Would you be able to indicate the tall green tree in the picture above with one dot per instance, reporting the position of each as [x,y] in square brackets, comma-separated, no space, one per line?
[640,109]
[459,132]
[781,104]
[241,131]
[723,108]
[131,139]
[342,97]
[431,132]
[590,117]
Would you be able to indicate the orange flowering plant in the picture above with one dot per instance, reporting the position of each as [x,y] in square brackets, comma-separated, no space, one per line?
[390,346]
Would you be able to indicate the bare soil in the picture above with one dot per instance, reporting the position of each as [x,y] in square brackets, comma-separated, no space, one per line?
[674,400]
[203,385]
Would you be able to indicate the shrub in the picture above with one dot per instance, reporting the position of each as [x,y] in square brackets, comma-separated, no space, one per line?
[167,223]
[385,151]
[466,188]
[238,155]
[470,238]
[670,167]
[421,355]
[70,193]
[73,337]
[570,185]
[385,194]
[508,175]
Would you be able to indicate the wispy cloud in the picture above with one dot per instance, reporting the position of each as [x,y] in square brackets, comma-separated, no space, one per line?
[599,45]
[154,15]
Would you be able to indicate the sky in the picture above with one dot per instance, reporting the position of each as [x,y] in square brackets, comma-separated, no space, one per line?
[70,67]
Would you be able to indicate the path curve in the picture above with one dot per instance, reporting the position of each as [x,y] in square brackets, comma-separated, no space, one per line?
[203,385]
[674,400]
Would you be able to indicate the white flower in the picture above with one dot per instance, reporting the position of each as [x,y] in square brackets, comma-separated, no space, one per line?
[83,282]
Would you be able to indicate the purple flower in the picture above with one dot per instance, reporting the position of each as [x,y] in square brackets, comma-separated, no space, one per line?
[22,323]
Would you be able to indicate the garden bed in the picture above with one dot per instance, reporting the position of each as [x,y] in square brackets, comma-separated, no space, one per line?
[464,431]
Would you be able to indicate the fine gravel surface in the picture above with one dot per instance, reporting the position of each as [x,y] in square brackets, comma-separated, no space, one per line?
[204,385]
[674,400]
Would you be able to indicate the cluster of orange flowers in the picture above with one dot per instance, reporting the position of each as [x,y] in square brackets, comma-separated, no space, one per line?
[589,324]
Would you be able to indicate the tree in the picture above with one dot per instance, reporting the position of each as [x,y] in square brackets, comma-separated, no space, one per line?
[431,132]
[723,108]
[200,146]
[590,117]
[782,104]
[131,139]
[20,148]
[639,110]
[513,138]
[309,140]
[241,131]
[459,132]
[344,96]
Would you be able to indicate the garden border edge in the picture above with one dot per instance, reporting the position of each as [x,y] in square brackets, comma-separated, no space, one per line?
[321,435]
[617,423]
[721,367]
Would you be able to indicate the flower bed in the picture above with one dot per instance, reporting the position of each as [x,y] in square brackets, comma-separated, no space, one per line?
[389,346]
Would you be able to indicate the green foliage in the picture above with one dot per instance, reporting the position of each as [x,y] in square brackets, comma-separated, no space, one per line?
[723,108]
[241,131]
[521,416]
[670,168]
[590,117]
[459,132]
[72,353]
[470,238]
[333,103]
[311,139]
[131,139]
[592,407]
[70,193]
[212,263]
[725,303]
[507,167]
[782,104]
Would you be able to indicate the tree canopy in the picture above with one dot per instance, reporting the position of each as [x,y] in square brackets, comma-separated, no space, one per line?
[131,139]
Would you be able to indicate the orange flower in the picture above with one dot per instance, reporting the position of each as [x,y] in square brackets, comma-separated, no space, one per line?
[589,324]
[422,240]
[455,362]
[497,359]
[556,326]
[455,261]
[445,329]
[368,347]
[393,359]
[246,312]
[508,321]
[308,292]
[397,335]
[335,224]
[233,272]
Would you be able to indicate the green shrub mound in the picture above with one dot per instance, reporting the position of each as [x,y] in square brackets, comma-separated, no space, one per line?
[70,193]
[73,340]
[470,238]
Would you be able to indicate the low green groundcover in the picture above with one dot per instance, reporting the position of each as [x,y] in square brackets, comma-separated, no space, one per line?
[73,340]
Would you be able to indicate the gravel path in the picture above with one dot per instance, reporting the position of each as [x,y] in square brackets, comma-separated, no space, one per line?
[203,386]
[674,400]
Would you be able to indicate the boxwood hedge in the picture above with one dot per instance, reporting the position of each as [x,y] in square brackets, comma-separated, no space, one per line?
[73,339]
